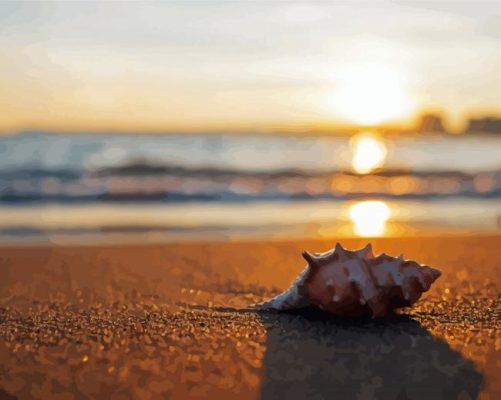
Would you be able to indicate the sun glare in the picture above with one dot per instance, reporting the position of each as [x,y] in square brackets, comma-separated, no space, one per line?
[369,217]
[370,94]
[369,152]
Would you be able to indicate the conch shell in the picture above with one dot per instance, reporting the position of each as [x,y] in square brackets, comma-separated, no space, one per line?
[355,283]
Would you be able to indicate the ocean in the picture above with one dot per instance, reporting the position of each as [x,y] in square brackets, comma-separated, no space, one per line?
[57,187]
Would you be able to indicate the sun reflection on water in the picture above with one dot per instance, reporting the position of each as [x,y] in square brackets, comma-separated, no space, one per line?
[369,217]
[369,152]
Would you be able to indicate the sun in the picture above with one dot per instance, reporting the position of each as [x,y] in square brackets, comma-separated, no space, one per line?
[369,94]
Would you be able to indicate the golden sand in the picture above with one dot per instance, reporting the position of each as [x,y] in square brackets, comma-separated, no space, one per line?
[165,321]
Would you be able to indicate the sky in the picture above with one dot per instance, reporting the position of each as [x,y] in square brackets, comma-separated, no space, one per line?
[215,65]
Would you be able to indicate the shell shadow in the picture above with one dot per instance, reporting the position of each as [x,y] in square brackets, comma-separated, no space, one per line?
[311,355]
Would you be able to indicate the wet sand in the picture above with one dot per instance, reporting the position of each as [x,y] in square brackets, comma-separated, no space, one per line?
[166,321]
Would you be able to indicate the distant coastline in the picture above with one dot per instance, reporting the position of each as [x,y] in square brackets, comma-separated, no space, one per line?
[425,125]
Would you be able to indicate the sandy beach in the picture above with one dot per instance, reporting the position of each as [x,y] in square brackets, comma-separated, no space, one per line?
[166,321]
[166,166]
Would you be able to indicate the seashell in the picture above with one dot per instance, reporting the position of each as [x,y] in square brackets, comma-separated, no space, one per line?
[355,283]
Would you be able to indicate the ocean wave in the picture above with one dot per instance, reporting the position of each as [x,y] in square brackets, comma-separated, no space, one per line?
[141,181]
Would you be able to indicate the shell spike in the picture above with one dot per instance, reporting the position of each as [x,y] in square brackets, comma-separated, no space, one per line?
[384,256]
[340,250]
[401,256]
[310,258]
[366,251]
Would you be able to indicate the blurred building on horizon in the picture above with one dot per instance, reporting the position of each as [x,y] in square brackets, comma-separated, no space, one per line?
[432,122]
[436,123]
[488,124]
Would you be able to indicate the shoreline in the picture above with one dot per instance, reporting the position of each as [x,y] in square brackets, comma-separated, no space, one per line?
[158,239]
[68,225]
